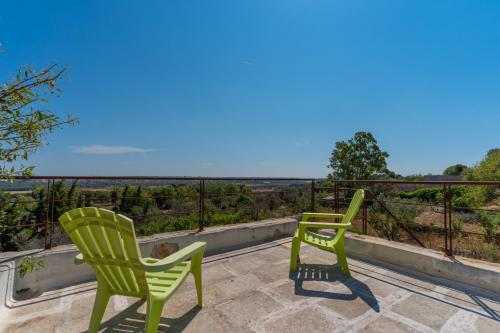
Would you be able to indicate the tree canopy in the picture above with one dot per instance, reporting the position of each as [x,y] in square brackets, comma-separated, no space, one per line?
[25,121]
[358,158]
[488,168]
[455,170]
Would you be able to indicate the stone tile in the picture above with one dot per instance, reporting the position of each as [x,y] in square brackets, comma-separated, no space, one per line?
[180,304]
[290,292]
[249,309]
[383,324]
[257,261]
[306,320]
[214,273]
[47,323]
[274,272]
[474,302]
[204,321]
[382,289]
[231,288]
[425,310]
[407,282]
[350,306]
[484,325]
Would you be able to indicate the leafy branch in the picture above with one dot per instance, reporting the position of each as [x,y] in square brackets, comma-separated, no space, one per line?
[24,123]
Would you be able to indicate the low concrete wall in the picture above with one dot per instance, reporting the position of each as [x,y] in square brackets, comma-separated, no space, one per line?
[464,270]
[60,271]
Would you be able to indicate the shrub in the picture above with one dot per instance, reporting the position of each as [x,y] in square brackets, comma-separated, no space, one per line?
[489,224]
[457,223]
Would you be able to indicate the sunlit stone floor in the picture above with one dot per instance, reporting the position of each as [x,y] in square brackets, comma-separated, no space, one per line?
[250,290]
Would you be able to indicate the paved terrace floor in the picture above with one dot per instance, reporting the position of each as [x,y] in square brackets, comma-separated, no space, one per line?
[250,290]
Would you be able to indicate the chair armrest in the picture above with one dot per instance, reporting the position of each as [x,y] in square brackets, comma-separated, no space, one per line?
[304,225]
[78,259]
[324,225]
[307,216]
[173,259]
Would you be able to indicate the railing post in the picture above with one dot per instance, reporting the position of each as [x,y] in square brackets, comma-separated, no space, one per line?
[445,219]
[450,224]
[201,205]
[313,192]
[46,236]
[52,215]
[364,219]
[337,194]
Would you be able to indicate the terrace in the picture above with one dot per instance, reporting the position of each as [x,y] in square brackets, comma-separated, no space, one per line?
[250,290]
[396,285]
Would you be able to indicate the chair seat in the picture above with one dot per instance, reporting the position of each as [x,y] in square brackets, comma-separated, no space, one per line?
[163,284]
[322,241]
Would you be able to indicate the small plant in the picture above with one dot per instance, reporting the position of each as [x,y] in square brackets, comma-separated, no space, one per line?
[29,264]
[457,223]
[489,224]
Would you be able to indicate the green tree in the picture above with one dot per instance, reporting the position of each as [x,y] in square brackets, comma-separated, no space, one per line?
[358,158]
[25,121]
[488,168]
[455,170]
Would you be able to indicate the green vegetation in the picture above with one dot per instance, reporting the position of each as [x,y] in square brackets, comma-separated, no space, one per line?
[456,170]
[29,264]
[358,158]
[25,121]
[153,209]
[488,168]
[463,197]
[387,226]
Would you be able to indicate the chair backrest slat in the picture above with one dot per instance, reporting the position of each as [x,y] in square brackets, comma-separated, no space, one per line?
[352,211]
[107,242]
[354,206]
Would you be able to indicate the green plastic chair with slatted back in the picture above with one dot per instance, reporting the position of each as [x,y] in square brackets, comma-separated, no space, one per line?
[332,243]
[107,242]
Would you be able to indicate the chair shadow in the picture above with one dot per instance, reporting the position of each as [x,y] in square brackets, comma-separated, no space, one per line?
[132,321]
[332,273]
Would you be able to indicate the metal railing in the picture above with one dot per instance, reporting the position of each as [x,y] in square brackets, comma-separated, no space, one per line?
[445,207]
[314,187]
[195,182]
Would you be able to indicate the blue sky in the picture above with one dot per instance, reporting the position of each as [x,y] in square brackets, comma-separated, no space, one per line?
[260,88]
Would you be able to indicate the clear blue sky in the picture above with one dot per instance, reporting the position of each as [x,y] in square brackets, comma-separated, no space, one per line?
[260,88]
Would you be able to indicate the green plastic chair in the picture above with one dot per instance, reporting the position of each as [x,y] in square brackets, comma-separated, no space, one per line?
[334,243]
[107,242]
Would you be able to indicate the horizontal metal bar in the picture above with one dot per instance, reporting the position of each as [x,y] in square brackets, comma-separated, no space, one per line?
[416,182]
[159,178]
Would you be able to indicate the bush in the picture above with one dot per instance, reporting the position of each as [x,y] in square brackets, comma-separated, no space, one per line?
[489,224]
[463,197]
[457,223]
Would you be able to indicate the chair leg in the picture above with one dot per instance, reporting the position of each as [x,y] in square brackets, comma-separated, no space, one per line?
[153,314]
[340,251]
[196,270]
[295,254]
[101,302]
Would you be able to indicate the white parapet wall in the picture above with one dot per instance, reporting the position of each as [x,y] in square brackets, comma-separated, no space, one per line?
[473,272]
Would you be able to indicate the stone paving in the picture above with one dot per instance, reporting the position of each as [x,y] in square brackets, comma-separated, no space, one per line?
[250,290]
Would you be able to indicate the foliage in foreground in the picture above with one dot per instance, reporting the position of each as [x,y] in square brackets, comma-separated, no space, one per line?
[25,121]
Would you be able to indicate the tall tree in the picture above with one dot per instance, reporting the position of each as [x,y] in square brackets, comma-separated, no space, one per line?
[358,158]
[25,121]
[455,170]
